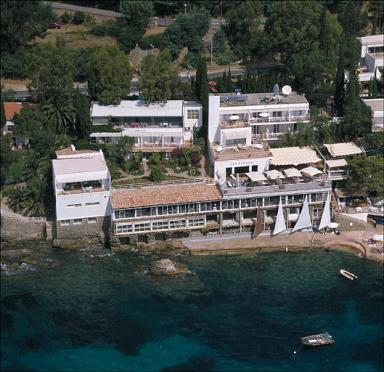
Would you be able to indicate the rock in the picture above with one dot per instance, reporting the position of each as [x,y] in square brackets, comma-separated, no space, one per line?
[166,266]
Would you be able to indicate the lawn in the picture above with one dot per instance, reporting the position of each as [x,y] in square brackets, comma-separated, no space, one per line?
[77,36]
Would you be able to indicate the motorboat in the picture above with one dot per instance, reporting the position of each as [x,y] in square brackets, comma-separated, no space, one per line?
[317,340]
[347,274]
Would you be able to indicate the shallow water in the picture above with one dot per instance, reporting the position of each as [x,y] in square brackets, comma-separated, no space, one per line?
[239,313]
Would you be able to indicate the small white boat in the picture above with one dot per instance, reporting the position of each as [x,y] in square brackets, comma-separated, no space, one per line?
[347,274]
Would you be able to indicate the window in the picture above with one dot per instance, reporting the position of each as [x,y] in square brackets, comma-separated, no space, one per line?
[177,224]
[92,219]
[77,221]
[236,141]
[65,222]
[142,227]
[74,205]
[276,128]
[276,114]
[124,229]
[193,114]
[159,225]
[91,204]
[255,168]
[124,213]
[143,212]
[196,222]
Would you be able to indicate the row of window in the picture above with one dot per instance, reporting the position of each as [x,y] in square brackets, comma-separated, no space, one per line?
[275,129]
[160,225]
[212,206]
[77,221]
[77,205]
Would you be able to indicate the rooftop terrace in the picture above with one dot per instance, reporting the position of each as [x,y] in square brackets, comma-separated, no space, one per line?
[256,99]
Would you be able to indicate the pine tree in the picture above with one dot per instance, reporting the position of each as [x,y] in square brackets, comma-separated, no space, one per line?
[324,34]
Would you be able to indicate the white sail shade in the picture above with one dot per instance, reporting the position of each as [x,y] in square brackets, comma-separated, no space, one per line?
[234,117]
[326,216]
[264,114]
[274,174]
[280,221]
[304,219]
[310,171]
[292,172]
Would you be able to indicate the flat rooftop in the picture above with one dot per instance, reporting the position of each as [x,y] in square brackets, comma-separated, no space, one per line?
[375,104]
[372,39]
[93,162]
[138,108]
[164,195]
[259,99]
[240,152]
[68,153]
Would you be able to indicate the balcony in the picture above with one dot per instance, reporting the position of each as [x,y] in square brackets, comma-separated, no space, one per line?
[285,119]
[236,124]
[271,189]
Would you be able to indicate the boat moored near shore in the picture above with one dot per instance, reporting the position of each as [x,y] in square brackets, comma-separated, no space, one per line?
[347,274]
[317,340]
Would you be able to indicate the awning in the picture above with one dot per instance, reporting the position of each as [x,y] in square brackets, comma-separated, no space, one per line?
[274,174]
[342,149]
[310,171]
[377,238]
[336,163]
[293,156]
[231,134]
[105,134]
[292,172]
[256,176]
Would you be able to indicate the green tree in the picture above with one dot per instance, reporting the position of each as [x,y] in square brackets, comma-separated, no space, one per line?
[62,116]
[109,75]
[366,175]
[158,78]
[83,123]
[202,90]
[156,174]
[187,31]
[375,8]
[3,118]
[22,21]
[29,199]
[243,26]
[78,18]
[137,13]
[53,71]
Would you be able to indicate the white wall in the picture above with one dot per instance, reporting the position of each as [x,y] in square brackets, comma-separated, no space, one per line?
[192,123]
[63,212]
[221,166]
[213,118]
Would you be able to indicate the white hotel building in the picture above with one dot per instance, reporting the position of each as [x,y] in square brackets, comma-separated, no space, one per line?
[371,57]
[82,185]
[239,125]
[158,127]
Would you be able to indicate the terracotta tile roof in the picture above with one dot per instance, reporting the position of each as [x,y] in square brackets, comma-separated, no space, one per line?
[165,194]
[12,108]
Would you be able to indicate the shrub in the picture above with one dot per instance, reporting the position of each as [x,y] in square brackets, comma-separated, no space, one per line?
[78,18]
[65,18]
[191,60]
[156,174]
[153,41]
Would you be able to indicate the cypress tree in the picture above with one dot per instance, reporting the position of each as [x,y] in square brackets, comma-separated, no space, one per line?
[229,81]
[340,92]
[3,118]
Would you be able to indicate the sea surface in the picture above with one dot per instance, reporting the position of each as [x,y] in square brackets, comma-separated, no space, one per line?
[97,312]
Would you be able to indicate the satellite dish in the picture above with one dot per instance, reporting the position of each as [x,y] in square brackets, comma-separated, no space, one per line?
[287,90]
[276,89]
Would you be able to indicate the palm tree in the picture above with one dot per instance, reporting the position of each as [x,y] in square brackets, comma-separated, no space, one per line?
[62,115]
[29,200]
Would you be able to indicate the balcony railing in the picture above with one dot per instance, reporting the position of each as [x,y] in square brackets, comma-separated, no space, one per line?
[288,119]
[271,189]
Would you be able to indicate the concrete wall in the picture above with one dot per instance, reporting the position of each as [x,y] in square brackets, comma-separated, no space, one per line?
[21,229]
[213,118]
[84,230]
[221,166]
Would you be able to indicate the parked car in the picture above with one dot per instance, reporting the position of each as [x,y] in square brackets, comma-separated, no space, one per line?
[54,26]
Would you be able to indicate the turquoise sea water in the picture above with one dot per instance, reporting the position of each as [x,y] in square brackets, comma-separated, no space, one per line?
[239,313]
